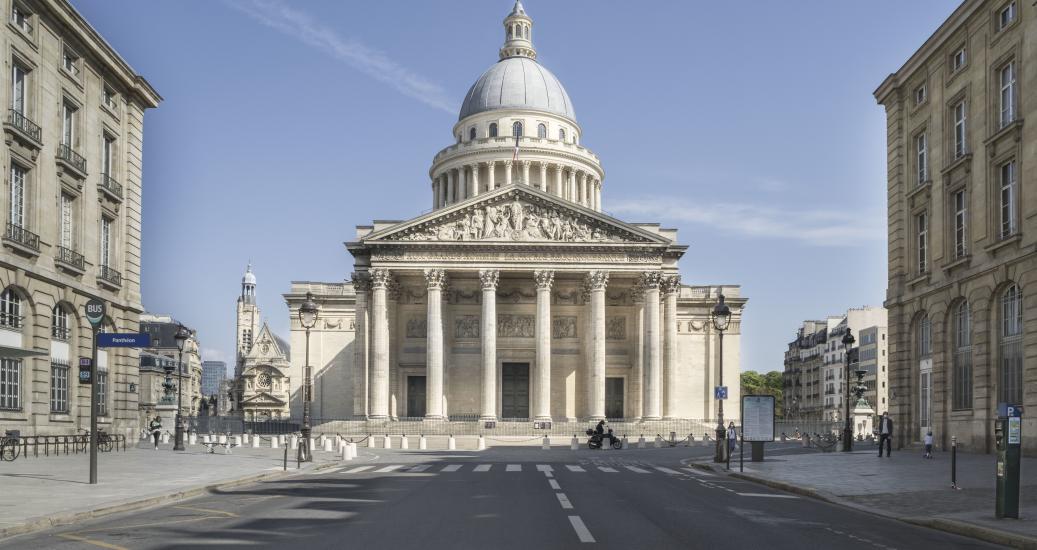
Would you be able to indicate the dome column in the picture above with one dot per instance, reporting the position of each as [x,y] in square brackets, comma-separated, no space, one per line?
[491,169]
[462,184]
[584,195]
[507,172]
[558,181]
[525,172]
[452,191]
[475,179]
[543,176]
[442,190]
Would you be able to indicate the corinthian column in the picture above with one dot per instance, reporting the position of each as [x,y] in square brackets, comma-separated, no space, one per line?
[379,399]
[491,169]
[362,286]
[653,365]
[671,286]
[596,282]
[507,172]
[542,374]
[462,185]
[435,280]
[543,176]
[584,195]
[558,181]
[488,278]
[442,190]
[525,172]
[475,179]
[452,191]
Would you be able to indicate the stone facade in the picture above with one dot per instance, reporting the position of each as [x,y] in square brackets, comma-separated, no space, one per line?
[164,352]
[516,297]
[962,234]
[73,134]
[261,384]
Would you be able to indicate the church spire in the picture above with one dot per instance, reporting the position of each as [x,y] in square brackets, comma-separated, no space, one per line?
[518,37]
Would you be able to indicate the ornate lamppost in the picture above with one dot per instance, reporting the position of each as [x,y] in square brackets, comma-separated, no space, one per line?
[848,341]
[307,318]
[721,319]
[181,336]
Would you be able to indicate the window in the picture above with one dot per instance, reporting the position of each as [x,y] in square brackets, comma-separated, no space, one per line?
[108,154]
[59,329]
[1007,79]
[58,386]
[561,134]
[493,129]
[516,129]
[1011,380]
[1008,199]
[962,357]
[106,241]
[108,97]
[10,384]
[1006,16]
[920,95]
[17,211]
[70,61]
[471,134]
[959,129]
[541,131]
[922,148]
[21,18]
[66,222]
[19,81]
[922,229]
[102,393]
[10,309]
[958,59]
[959,224]
[68,125]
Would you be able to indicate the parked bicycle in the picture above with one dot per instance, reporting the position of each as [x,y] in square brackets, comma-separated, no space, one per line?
[105,443]
[9,445]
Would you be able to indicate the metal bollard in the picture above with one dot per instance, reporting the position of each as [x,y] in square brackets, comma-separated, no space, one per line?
[954,463]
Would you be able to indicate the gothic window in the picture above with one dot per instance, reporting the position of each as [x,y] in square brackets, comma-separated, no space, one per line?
[1011,379]
[493,129]
[541,131]
[516,129]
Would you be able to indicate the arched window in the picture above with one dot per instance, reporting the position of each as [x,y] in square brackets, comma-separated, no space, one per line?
[471,134]
[510,32]
[10,309]
[493,129]
[59,328]
[1011,380]
[962,395]
[516,129]
[541,131]
[561,134]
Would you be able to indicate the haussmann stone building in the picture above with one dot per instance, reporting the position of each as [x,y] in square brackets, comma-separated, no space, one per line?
[516,297]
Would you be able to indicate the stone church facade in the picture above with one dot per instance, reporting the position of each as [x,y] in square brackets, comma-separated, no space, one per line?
[516,297]
[261,382]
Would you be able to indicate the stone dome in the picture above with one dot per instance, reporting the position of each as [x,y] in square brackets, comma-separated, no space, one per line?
[517,83]
[249,278]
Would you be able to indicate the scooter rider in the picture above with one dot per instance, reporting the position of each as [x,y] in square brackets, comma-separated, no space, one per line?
[600,430]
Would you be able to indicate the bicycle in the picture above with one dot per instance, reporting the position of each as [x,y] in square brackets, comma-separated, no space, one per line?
[105,443]
[9,445]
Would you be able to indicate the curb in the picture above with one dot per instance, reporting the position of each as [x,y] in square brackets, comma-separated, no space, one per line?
[54,520]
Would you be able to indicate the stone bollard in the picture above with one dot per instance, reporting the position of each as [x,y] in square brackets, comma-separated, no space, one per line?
[691,439]
[574,444]
[237,441]
[405,442]
[546,444]
[244,439]
[641,442]
[313,444]
[606,446]
[626,442]
[255,441]
[806,440]
[192,439]
[295,442]
[482,443]
[370,442]
[451,444]
[658,442]
[223,439]
[165,438]
[347,452]
[352,449]
[274,442]
[281,439]
[422,443]
[387,442]
[328,445]
[323,438]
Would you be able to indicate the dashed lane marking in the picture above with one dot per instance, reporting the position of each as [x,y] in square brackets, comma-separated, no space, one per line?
[483,468]
[564,501]
[607,469]
[667,470]
[765,495]
[451,468]
[697,472]
[513,468]
[581,529]
[637,470]
[544,468]
[419,468]
[574,468]
[360,469]
[388,468]
[554,484]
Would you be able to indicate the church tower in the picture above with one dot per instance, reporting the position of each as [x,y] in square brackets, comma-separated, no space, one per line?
[248,318]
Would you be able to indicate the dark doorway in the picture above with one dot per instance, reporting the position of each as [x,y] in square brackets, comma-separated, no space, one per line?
[515,390]
[416,396]
[614,397]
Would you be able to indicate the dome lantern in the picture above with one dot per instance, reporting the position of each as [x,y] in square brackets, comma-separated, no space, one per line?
[518,34]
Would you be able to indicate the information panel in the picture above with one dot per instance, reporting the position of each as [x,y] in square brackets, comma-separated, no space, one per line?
[758,418]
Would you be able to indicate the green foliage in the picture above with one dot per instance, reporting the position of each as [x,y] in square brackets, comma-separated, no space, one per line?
[754,383]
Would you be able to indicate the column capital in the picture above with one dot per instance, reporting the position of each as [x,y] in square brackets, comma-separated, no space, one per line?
[671,284]
[435,279]
[361,281]
[650,279]
[544,278]
[596,280]
[381,278]
[526,162]
[488,278]
[473,167]
[490,163]
[508,163]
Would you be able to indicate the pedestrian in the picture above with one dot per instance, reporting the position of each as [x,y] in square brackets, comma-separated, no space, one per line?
[156,429]
[732,437]
[929,444]
[885,431]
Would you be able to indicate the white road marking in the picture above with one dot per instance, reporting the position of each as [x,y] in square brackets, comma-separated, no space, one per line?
[554,484]
[574,468]
[483,468]
[765,495]
[697,472]
[451,468]
[564,501]
[667,470]
[360,469]
[544,468]
[419,468]
[513,468]
[637,470]
[581,529]
[607,469]
[549,474]
[388,468]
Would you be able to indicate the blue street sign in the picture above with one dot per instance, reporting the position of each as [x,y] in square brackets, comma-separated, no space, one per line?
[720,392]
[128,340]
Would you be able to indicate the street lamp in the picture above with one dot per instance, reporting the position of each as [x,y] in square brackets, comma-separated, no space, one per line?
[181,336]
[307,318]
[721,318]
[848,341]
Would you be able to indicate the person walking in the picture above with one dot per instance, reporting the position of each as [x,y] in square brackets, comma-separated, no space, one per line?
[929,444]
[885,430]
[732,437]
[155,426]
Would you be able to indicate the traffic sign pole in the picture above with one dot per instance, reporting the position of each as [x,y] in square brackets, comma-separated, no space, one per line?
[95,315]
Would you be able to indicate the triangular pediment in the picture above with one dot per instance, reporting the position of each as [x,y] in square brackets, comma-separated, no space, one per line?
[517,213]
[263,398]
[266,346]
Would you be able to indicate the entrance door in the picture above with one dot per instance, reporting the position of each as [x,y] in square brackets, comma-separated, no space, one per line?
[416,396]
[515,390]
[614,397]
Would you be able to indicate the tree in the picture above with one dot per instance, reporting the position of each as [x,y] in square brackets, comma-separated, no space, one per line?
[771,383]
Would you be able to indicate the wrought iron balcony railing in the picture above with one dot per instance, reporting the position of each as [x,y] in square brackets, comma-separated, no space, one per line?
[23,236]
[111,186]
[70,257]
[110,275]
[22,122]
[66,154]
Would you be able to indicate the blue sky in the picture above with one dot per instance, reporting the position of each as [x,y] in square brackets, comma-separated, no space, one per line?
[749,126]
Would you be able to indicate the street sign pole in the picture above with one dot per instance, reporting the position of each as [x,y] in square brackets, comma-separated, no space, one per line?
[95,315]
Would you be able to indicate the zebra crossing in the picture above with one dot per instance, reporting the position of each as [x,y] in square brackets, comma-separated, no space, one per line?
[640,469]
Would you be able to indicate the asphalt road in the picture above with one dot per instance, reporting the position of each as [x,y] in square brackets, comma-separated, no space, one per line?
[500,499]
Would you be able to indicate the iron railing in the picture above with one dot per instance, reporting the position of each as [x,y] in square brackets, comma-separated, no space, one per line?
[109,184]
[26,126]
[70,257]
[66,154]
[23,236]
[110,275]
[47,445]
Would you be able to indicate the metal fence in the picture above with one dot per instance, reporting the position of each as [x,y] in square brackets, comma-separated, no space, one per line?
[46,445]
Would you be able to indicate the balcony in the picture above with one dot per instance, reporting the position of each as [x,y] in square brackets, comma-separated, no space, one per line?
[26,132]
[22,240]
[109,278]
[73,162]
[70,260]
[111,188]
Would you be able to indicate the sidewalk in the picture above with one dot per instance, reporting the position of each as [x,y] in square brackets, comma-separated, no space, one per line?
[45,491]
[910,488]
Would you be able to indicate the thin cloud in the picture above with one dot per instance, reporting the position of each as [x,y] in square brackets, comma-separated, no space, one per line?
[818,227]
[299,25]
